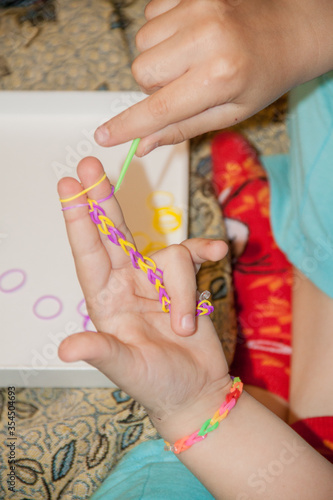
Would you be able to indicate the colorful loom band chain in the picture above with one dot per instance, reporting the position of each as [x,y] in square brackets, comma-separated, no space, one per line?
[146,264]
[106,226]
[210,424]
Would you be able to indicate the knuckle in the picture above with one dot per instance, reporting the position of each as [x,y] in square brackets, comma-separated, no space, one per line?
[158,106]
[144,75]
[141,39]
[136,69]
[222,70]
[149,11]
[178,252]
[179,135]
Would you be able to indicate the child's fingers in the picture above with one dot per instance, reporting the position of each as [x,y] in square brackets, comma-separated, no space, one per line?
[180,283]
[101,350]
[180,264]
[91,259]
[157,7]
[169,105]
[210,119]
[202,249]
[90,171]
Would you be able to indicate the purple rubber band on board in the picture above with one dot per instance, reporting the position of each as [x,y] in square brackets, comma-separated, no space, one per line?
[85,317]
[17,287]
[45,297]
[87,204]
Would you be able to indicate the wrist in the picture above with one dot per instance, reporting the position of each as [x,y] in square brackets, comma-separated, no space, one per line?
[174,423]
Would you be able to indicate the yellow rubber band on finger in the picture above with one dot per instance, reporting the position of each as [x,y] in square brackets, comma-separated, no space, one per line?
[84,191]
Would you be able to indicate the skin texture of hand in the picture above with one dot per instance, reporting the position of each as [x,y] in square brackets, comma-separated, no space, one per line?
[209,64]
[136,347]
[181,379]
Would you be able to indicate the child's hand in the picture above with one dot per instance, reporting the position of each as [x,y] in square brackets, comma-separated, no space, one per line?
[136,346]
[211,64]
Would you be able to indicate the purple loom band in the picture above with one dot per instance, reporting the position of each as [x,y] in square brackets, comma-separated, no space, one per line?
[38,301]
[85,317]
[17,287]
[94,214]
[87,204]
[114,232]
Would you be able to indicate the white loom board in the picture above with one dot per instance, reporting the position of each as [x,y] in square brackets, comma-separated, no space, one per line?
[42,136]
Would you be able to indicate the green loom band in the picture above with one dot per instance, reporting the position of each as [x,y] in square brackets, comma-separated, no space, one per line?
[131,153]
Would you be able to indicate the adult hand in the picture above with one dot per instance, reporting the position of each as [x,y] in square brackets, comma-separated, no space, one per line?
[210,64]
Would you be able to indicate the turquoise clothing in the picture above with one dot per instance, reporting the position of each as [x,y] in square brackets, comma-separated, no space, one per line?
[149,473]
[302,186]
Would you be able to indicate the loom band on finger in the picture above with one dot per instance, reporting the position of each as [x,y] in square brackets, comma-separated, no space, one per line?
[95,211]
[88,204]
[135,256]
[166,304]
[114,235]
[104,223]
[152,276]
[126,245]
[164,299]
[147,263]
[155,278]
[64,200]
[159,280]
[204,307]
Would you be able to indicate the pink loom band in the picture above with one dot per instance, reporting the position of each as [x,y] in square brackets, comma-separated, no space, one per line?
[47,297]
[87,204]
[17,287]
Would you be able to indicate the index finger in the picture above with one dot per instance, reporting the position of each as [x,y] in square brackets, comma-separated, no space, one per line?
[171,104]
[84,236]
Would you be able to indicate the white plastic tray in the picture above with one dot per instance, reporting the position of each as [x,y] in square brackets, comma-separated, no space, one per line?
[42,137]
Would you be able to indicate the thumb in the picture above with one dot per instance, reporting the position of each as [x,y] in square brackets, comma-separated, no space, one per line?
[101,350]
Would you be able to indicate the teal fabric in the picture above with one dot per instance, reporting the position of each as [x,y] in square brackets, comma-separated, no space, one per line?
[302,184]
[150,473]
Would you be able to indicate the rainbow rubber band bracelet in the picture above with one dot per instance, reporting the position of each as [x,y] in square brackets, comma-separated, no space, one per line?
[210,424]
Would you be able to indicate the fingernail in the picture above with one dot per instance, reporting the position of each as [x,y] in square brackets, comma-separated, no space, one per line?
[102,135]
[188,322]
